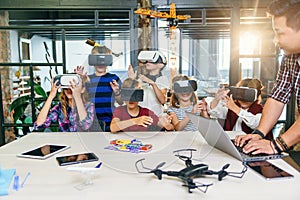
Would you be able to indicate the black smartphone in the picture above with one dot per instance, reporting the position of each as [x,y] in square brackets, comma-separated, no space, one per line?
[76,158]
[268,170]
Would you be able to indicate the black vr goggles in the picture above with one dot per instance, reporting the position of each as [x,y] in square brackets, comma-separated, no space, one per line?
[185,86]
[132,95]
[243,93]
[100,60]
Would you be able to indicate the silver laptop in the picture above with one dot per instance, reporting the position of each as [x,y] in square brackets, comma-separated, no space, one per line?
[214,134]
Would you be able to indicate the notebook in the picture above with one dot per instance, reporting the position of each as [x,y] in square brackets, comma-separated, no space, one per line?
[215,136]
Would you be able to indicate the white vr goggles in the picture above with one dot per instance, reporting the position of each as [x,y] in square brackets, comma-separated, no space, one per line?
[64,79]
[152,56]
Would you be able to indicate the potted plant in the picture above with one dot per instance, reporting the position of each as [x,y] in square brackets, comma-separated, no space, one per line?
[19,106]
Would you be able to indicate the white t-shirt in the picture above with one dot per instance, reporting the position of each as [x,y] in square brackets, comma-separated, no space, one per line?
[150,100]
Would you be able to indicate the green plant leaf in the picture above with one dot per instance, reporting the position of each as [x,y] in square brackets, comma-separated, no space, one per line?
[17,102]
[19,109]
[39,90]
[19,105]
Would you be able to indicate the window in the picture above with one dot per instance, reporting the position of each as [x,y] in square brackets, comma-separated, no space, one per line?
[25,50]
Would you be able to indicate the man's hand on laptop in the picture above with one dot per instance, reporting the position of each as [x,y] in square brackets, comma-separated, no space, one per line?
[259,146]
[241,140]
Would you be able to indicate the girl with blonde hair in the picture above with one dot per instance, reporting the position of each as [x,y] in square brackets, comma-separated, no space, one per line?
[73,113]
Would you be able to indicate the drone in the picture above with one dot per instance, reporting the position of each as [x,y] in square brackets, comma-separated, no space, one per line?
[190,172]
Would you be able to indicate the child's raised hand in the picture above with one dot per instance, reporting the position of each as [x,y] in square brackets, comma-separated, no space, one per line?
[146,79]
[54,88]
[202,105]
[76,88]
[131,73]
[231,105]
[165,120]
[80,71]
[198,107]
[115,86]
[172,115]
[144,121]
[221,94]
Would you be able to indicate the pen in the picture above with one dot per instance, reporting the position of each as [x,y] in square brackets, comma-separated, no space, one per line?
[25,179]
[16,183]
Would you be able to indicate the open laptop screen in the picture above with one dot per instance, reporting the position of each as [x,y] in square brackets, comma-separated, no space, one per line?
[215,136]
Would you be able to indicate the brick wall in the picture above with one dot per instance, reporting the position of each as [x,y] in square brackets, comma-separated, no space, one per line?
[6,83]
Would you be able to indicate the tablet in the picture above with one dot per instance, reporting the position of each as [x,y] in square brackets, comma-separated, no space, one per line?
[44,151]
[76,158]
[268,170]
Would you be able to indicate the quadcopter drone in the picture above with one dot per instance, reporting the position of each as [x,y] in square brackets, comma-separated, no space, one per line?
[190,172]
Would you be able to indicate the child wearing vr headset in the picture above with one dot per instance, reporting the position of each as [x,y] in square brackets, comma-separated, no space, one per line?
[154,84]
[132,117]
[240,112]
[184,100]
[73,113]
[103,87]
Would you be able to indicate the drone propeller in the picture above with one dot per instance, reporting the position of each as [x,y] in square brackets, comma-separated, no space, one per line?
[186,159]
[160,165]
[225,166]
[156,171]
[222,173]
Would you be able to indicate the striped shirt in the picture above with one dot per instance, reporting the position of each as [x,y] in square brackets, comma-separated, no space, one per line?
[288,80]
[72,124]
[102,95]
[180,112]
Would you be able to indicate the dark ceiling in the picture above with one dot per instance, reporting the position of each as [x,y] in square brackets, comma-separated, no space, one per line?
[106,19]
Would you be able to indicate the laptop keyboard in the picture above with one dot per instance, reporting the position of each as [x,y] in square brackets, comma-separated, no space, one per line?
[240,149]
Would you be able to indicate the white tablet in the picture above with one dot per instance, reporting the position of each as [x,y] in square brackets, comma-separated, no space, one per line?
[44,151]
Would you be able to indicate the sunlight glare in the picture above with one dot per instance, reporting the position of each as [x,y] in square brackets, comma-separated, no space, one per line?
[249,43]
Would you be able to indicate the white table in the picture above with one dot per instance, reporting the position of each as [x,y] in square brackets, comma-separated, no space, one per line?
[118,179]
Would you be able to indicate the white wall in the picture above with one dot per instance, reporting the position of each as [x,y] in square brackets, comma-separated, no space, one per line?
[14,57]
[38,56]
[77,55]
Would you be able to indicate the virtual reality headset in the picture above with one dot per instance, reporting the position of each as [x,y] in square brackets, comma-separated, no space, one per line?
[100,60]
[152,56]
[64,79]
[243,93]
[132,95]
[185,86]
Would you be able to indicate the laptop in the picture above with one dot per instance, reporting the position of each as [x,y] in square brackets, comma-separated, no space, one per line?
[214,134]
